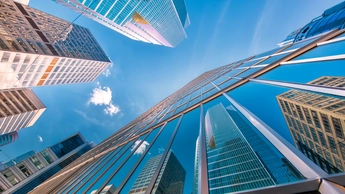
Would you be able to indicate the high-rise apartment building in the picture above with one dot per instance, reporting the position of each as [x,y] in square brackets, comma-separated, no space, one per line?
[8,138]
[158,22]
[25,172]
[19,108]
[233,113]
[170,180]
[40,49]
[317,123]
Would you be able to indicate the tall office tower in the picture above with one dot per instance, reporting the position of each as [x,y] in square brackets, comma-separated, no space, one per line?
[316,123]
[25,172]
[234,146]
[241,147]
[109,189]
[158,22]
[170,180]
[8,138]
[331,19]
[40,49]
[19,108]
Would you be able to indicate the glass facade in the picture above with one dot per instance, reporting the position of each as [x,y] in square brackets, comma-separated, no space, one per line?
[270,123]
[67,145]
[158,22]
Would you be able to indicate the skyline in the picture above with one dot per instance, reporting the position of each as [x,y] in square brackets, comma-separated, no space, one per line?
[244,141]
[137,100]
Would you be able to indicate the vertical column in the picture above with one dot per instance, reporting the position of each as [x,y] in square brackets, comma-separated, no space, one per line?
[202,160]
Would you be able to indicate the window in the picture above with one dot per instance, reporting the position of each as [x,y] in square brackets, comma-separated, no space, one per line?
[23,168]
[36,162]
[47,157]
[307,115]
[299,111]
[316,119]
[338,128]
[325,122]
[8,174]
[322,139]
[332,145]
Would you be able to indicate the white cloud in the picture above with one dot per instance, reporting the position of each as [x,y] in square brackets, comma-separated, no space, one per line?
[160,150]
[40,139]
[112,109]
[141,149]
[106,72]
[103,96]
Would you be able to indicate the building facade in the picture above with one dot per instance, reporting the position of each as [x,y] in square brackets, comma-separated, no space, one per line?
[19,108]
[317,123]
[239,98]
[8,138]
[158,22]
[170,180]
[39,49]
[27,171]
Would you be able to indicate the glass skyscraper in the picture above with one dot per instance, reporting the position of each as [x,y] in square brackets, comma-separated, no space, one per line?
[158,22]
[8,138]
[225,127]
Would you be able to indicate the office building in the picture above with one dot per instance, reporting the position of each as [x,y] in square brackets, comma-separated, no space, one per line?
[38,49]
[158,21]
[8,138]
[317,123]
[239,97]
[25,172]
[19,108]
[109,189]
[170,180]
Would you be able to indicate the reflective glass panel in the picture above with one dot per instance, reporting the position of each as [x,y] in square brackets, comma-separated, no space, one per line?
[336,48]
[141,177]
[179,169]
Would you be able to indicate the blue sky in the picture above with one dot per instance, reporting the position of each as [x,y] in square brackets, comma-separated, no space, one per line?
[143,74]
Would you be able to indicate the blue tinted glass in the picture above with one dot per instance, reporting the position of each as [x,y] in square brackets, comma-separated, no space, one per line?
[335,48]
[322,25]
[339,20]
[267,53]
[227,83]
[250,63]
[194,101]
[219,80]
[315,27]
[273,59]
[249,71]
[209,93]
[141,177]
[178,172]
[233,72]
[283,73]
[330,22]
[300,44]
[141,145]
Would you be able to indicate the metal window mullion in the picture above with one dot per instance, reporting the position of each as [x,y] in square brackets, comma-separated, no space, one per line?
[66,180]
[96,165]
[102,166]
[306,167]
[309,87]
[149,188]
[72,182]
[203,187]
[118,168]
[139,161]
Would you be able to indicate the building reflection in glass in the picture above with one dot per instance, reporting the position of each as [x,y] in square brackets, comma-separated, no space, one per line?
[316,123]
[170,179]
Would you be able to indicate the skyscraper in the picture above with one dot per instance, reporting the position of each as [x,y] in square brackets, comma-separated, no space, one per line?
[40,49]
[232,112]
[157,21]
[170,180]
[19,108]
[8,138]
[317,122]
[238,157]
[25,172]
